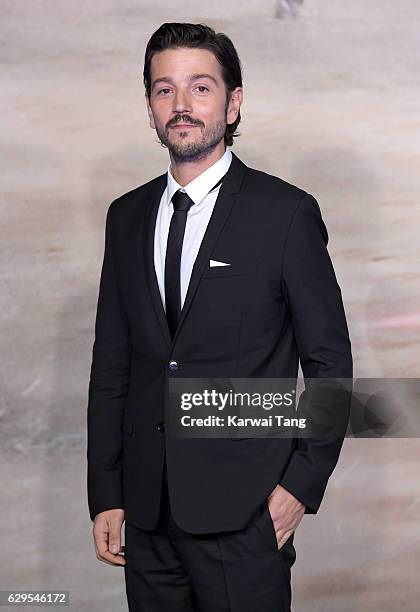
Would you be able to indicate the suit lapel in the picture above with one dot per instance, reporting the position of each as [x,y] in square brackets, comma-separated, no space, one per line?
[222,208]
[155,196]
[225,201]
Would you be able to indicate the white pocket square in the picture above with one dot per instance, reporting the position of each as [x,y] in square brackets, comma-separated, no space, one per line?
[214,263]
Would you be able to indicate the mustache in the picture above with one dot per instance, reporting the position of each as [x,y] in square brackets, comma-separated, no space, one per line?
[182,119]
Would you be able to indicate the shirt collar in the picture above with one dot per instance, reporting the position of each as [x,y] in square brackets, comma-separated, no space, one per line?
[199,187]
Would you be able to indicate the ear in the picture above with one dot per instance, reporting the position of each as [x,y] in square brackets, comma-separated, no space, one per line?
[149,112]
[236,99]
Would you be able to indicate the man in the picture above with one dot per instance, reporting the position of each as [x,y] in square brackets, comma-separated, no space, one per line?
[212,269]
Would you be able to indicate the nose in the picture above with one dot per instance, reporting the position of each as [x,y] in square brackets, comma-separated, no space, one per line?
[181,102]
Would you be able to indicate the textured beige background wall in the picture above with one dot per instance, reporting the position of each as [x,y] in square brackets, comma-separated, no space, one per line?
[332,105]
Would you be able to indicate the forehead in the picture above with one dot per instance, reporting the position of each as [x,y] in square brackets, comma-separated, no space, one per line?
[180,62]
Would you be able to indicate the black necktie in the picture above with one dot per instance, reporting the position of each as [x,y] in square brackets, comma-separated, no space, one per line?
[182,203]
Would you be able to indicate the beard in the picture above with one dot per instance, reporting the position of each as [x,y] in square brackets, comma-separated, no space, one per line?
[185,150]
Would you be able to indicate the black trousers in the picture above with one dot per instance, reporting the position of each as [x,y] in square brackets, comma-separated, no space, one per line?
[171,570]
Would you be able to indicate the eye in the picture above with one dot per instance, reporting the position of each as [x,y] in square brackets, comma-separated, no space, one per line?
[163,89]
[202,87]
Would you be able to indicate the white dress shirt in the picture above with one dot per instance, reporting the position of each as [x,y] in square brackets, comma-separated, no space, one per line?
[197,220]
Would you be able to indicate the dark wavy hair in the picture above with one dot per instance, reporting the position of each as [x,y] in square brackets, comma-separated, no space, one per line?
[198,36]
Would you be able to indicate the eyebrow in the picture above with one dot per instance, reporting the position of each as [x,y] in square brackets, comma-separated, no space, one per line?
[191,77]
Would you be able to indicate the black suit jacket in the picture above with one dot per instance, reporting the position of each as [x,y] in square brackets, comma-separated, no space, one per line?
[278,302]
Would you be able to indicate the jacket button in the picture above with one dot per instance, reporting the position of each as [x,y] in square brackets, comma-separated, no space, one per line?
[173,365]
[161,426]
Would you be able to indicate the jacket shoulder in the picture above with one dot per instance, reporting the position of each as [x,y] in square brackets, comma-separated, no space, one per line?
[136,195]
[279,196]
[268,181]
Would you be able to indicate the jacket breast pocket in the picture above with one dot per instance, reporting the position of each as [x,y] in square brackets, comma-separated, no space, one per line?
[233,269]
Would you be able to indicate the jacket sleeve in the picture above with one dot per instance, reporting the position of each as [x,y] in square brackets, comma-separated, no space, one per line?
[323,343]
[108,387]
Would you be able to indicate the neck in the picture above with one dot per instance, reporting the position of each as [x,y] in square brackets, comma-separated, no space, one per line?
[185,172]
